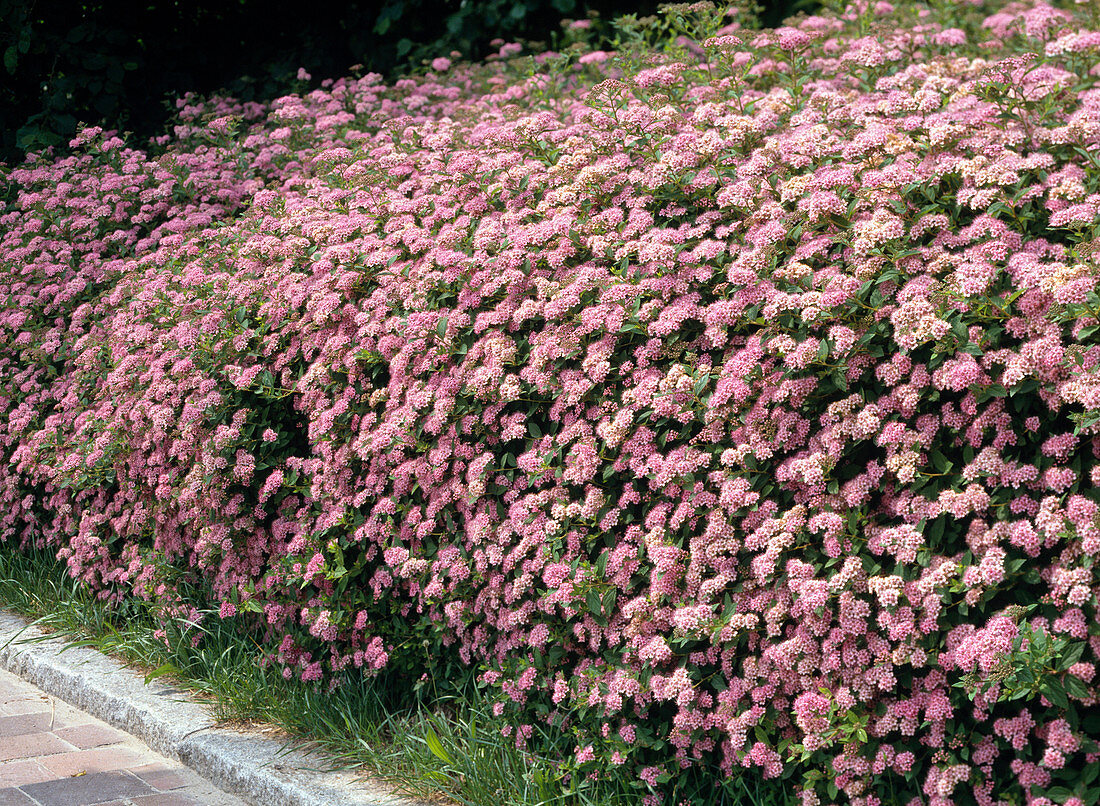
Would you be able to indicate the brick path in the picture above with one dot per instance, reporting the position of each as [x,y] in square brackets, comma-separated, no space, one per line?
[52,754]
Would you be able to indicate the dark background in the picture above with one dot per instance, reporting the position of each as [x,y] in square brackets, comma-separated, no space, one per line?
[120,63]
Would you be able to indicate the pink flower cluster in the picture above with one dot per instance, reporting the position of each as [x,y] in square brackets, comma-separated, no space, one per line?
[724,409]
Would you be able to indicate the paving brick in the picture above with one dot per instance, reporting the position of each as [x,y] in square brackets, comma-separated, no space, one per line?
[25,723]
[63,714]
[13,797]
[28,705]
[17,773]
[53,754]
[30,745]
[87,736]
[101,759]
[85,790]
[164,778]
[164,799]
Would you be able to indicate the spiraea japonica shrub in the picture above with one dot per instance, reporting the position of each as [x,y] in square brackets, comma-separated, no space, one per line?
[731,408]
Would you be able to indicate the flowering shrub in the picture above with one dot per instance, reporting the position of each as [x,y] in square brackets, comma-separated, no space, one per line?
[730,406]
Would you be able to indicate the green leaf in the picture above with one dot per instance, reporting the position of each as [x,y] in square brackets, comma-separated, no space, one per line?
[1071,656]
[608,601]
[160,671]
[1090,773]
[437,748]
[441,326]
[1040,640]
[11,59]
[1075,687]
[939,462]
[936,532]
[1054,691]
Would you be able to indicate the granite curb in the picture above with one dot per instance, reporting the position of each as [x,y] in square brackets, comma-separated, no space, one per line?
[259,769]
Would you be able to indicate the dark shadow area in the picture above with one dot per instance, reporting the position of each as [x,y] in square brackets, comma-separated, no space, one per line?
[120,63]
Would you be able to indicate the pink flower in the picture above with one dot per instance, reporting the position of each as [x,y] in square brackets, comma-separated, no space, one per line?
[811,713]
[271,484]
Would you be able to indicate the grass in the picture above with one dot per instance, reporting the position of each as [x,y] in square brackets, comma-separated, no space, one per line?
[446,749]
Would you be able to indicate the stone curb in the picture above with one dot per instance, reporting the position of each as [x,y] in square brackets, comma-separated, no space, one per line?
[259,769]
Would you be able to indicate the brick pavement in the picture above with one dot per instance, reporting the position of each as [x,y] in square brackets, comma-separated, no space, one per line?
[52,754]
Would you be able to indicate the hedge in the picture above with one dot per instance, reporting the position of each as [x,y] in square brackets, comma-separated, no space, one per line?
[729,407]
